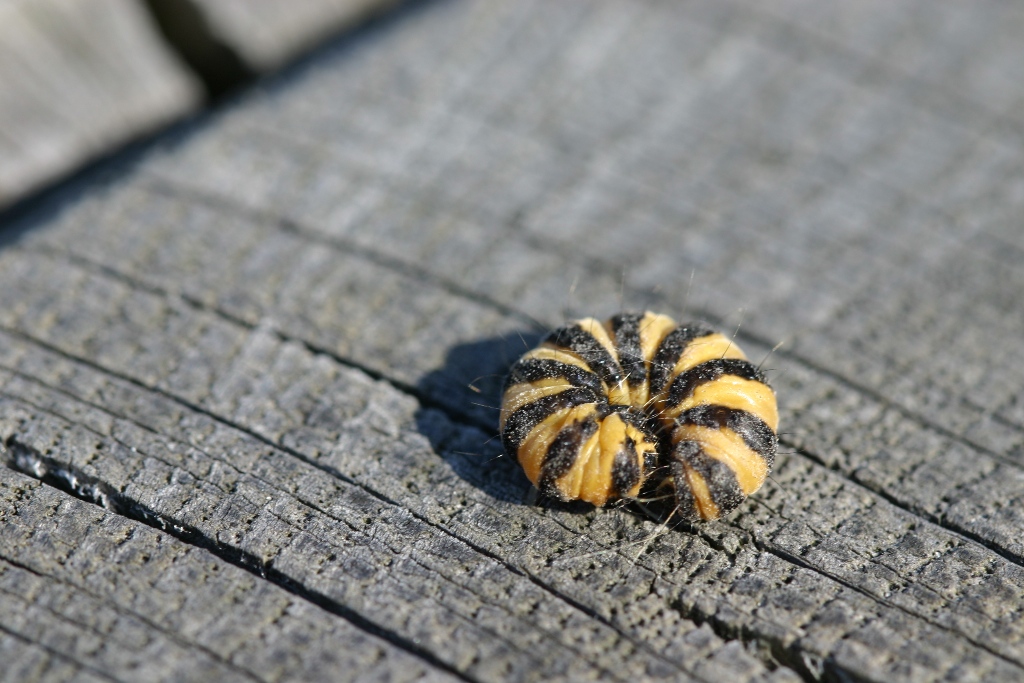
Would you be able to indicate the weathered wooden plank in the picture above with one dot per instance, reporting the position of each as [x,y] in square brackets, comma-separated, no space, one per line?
[980,476]
[79,82]
[901,457]
[267,34]
[348,539]
[76,81]
[25,660]
[914,323]
[856,546]
[133,602]
[399,209]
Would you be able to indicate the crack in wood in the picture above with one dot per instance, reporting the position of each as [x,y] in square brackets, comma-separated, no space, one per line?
[160,185]
[790,659]
[105,497]
[53,652]
[938,520]
[416,272]
[105,502]
[467,419]
[101,494]
[803,564]
[28,461]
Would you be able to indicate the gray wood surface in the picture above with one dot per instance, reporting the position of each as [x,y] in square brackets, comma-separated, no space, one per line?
[80,79]
[76,80]
[252,369]
[268,33]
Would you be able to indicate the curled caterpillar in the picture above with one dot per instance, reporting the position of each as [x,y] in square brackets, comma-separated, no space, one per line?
[599,411]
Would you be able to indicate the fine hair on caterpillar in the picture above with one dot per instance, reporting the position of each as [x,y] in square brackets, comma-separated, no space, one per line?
[601,411]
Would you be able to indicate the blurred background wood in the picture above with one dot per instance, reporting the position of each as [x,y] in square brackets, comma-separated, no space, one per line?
[77,80]
[267,34]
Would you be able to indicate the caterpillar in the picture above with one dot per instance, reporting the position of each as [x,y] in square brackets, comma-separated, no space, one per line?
[599,411]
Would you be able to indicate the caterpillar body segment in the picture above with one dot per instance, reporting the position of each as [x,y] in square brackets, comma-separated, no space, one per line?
[600,410]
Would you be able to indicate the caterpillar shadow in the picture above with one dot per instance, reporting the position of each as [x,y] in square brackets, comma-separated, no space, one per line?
[460,413]
[459,417]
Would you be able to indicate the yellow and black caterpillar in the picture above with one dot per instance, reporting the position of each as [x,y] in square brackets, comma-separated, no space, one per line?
[600,410]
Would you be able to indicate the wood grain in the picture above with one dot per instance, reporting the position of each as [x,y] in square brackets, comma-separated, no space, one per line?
[276,338]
